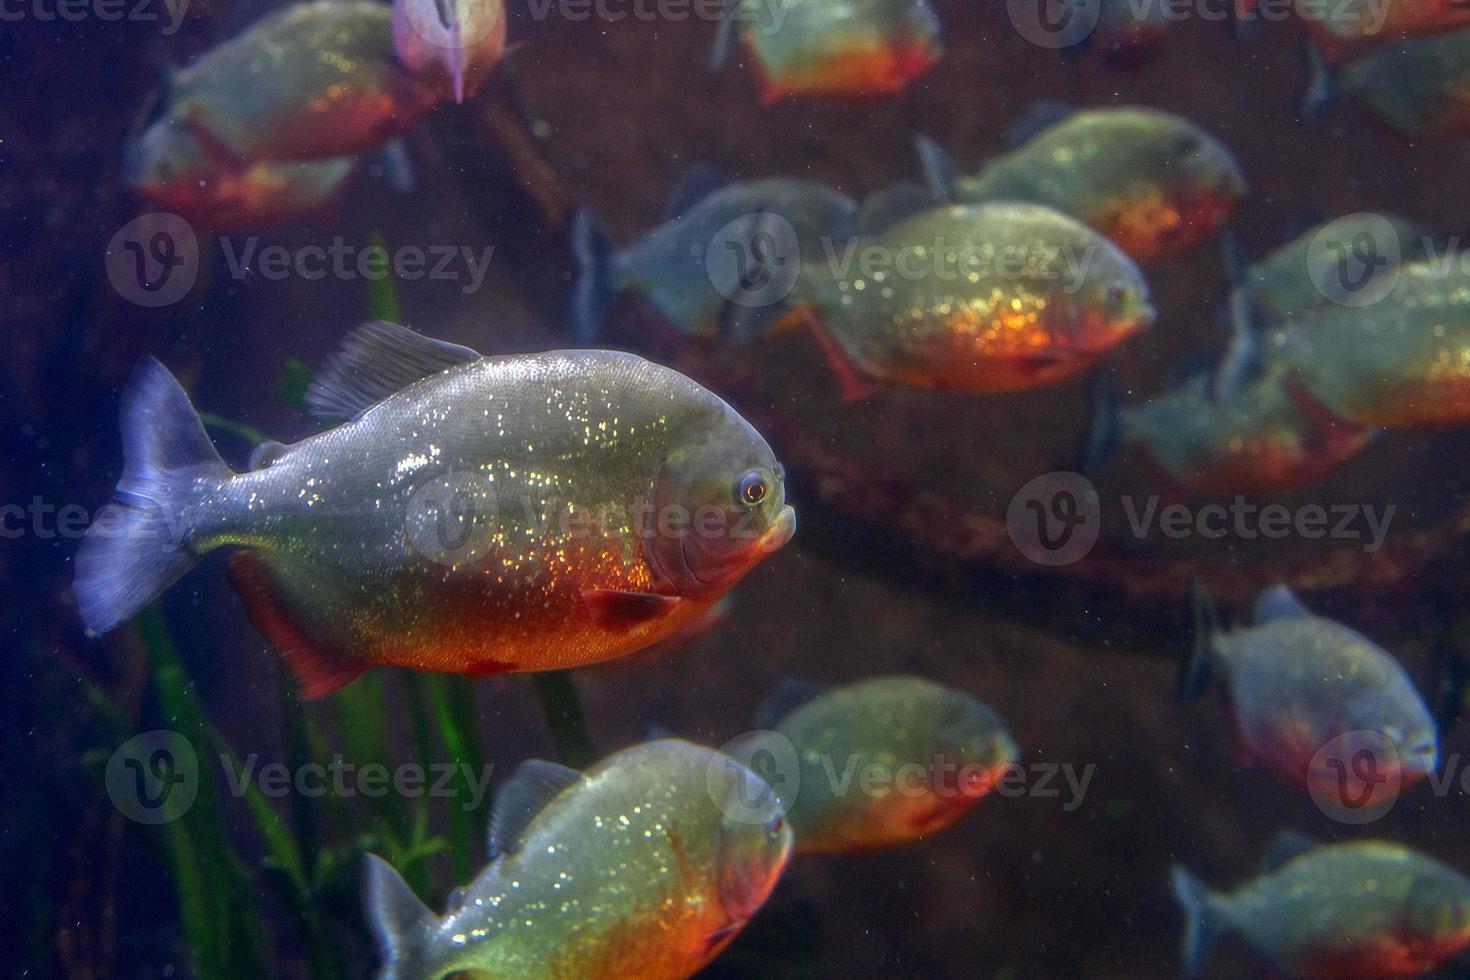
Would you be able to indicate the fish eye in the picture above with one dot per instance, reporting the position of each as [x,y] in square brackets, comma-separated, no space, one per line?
[751,489]
[774,826]
[1117,294]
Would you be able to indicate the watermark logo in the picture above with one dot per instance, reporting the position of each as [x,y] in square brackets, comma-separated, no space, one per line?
[451,520]
[754,260]
[153,778]
[1354,260]
[1054,24]
[452,25]
[1355,778]
[153,260]
[772,758]
[1055,519]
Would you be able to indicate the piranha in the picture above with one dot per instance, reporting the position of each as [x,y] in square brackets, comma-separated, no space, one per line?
[1298,683]
[939,749]
[1402,362]
[1154,183]
[1238,427]
[981,298]
[168,166]
[315,79]
[719,263]
[474,514]
[1254,439]
[453,44]
[645,866]
[1302,274]
[1363,908]
[1419,86]
[831,48]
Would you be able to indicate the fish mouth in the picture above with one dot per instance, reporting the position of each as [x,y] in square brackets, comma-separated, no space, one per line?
[722,935]
[780,532]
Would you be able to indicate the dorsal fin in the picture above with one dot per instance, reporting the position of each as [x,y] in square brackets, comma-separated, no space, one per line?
[789,694]
[885,208]
[265,453]
[525,793]
[698,181]
[1286,846]
[1041,115]
[938,167]
[1278,602]
[376,360]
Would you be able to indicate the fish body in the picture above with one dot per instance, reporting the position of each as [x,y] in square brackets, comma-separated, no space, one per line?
[489,514]
[169,167]
[1298,683]
[1359,909]
[315,79]
[983,298]
[1290,280]
[1402,362]
[1420,87]
[743,230]
[937,751]
[1256,439]
[1154,183]
[842,48]
[645,866]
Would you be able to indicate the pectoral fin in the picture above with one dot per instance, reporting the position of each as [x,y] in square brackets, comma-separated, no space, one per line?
[614,609]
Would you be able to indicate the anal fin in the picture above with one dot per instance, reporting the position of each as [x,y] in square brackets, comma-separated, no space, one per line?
[319,669]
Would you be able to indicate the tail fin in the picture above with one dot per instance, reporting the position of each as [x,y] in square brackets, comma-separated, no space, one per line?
[1194,673]
[138,545]
[400,922]
[1106,432]
[938,168]
[1201,918]
[596,284]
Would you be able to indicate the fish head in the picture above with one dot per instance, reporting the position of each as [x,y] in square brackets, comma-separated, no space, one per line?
[1110,299]
[1438,910]
[719,507]
[755,841]
[1415,743]
[450,44]
[1168,186]
[976,741]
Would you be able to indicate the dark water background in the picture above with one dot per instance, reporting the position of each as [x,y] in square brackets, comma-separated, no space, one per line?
[1019,888]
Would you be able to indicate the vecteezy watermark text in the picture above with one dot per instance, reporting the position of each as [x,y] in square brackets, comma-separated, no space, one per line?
[344,261]
[169,12]
[154,261]
[153,778]
[1056,519]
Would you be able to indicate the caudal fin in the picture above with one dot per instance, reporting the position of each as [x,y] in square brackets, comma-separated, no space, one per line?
[139,544]
[1201,919]
[596,285]
[401,923]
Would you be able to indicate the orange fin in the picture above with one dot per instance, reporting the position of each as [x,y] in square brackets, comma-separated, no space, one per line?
[854,386]
[614,609]
[319,670]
